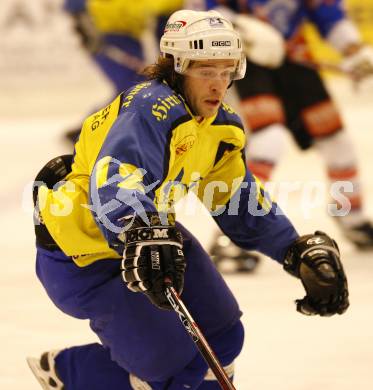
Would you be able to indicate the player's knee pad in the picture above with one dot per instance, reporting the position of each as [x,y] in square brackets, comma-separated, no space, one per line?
[196,374]
[52,172]
[321,119]
[337,151]
[340,159]
[261,111]
[264,150]
[228,348]
[229,345]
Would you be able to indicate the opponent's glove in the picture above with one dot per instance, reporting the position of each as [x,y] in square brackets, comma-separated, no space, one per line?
[152,253]
[359,64]
[262,43]
[314,258]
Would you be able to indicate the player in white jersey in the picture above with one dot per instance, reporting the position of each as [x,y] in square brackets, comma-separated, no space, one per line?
[282,91]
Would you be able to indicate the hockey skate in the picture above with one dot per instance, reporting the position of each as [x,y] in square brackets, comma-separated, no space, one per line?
[360,235]
[229,258]
[44,370]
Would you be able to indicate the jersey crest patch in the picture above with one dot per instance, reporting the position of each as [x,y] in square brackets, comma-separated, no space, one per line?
[185,144]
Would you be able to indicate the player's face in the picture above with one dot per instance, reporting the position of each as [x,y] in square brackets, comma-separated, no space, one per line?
[206,83]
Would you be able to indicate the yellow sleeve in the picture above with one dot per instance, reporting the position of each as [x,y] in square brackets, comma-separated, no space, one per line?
[164,7]
[128,17]
[65,210]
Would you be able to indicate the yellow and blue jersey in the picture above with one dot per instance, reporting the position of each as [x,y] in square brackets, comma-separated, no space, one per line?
[144,152]
[121,16]
[288,16]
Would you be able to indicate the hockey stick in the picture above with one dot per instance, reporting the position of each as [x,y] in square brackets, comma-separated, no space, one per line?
[324,66]
[93,40]
[197,336]
[336,68]
[121,57]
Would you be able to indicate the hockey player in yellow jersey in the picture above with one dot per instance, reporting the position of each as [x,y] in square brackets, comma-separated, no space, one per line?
[120,36]
[107,236]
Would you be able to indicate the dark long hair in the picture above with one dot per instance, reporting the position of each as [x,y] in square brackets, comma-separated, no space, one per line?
[164,69]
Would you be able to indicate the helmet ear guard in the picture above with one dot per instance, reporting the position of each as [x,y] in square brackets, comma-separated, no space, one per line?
[196,35]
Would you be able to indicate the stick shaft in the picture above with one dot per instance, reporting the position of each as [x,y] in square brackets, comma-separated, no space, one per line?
[327,66]
[198,338]
[122,58]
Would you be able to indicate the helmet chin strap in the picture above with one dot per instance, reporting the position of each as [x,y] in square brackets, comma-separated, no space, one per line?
[179,88]
[190,107]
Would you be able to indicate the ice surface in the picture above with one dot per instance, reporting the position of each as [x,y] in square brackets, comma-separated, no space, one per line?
[283,350]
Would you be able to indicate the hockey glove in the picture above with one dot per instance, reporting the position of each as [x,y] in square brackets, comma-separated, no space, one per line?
[359,64]
[262,43]
[89,36]
[314,258]
[152,253]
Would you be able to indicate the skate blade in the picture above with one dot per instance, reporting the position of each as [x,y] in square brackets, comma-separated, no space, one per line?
[34,365]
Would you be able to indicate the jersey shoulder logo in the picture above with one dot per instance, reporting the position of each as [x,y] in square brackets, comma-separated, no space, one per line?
[162,106]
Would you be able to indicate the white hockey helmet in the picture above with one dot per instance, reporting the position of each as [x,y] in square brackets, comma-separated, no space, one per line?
[201,35]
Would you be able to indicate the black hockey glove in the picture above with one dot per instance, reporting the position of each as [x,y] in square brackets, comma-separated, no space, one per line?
[153,253]
[53,172]
[314,258]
